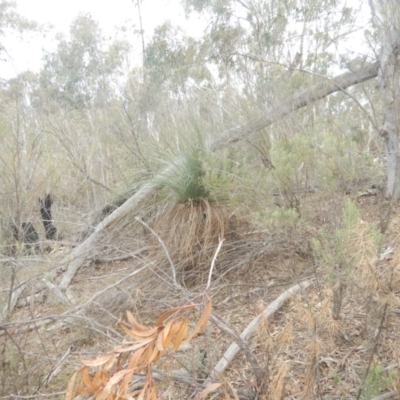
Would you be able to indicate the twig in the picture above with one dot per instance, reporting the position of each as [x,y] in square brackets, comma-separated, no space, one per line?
[163,246]
[53,288]
[221,241]
[131,254]
[16,301]
[38,395]
[28,300]
[14,296]
[56,367]
[49,319]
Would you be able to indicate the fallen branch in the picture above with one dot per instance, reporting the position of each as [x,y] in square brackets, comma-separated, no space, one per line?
[8,308]
[132,254]
[242,345]
[29,300]
[234,348]
[173,272]
[57,292]
[78,255]
[295,102]
[43,321]
[386,396]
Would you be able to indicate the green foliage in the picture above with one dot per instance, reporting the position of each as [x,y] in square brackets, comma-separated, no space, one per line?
[222,176]
[293,159]
[351,215]
[378,380]
[185,178]
[338,161]
[9,18]
[281,218]
[350,246]
[171,58]
[286,218]
[325,161]
[346,256]
[194,173]
[78,73]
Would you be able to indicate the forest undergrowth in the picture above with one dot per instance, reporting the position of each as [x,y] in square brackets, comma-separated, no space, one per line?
[335,339]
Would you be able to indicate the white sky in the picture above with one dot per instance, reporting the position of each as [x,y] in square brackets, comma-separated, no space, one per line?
[26,54]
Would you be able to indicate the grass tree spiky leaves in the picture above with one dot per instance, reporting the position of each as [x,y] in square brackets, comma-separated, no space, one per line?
[185,178]
[190,222]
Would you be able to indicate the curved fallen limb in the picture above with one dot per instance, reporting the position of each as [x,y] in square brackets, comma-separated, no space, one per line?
[234,348]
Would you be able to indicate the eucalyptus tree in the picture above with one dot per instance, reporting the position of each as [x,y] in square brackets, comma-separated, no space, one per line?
[79,73]
[12,22]
[386,17]
[257,43]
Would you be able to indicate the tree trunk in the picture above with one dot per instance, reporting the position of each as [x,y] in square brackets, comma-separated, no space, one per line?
[299,100]
[272,114]
[386,16]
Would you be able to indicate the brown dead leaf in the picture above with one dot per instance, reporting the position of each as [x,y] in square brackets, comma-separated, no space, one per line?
[133,362]
[172,332]
[138,334]
[177,340]
[70,394]
[209,389]
[200,323]
[98,361]
[114,381]
[135,346]
[160,341]
[134,323]
[170,312]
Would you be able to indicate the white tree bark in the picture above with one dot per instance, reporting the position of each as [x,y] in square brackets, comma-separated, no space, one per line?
[79,254]
[386,17]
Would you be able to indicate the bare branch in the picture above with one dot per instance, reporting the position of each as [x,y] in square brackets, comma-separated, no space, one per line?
[164,248]
[221,241]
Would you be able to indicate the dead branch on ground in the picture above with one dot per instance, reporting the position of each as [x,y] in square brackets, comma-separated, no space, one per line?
[234,348]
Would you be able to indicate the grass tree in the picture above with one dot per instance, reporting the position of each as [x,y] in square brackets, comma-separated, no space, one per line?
[191,223]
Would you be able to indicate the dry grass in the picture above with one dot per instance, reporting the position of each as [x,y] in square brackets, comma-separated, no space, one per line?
[191,231]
